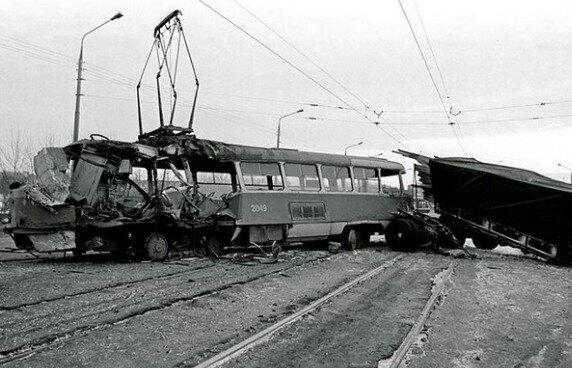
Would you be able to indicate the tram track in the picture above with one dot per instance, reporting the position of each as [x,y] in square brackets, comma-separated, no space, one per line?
[105,287]
[120,313]
[264,335]
[356,327]
[401,353]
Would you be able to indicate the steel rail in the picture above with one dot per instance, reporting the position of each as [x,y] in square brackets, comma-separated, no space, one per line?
[264,335]
[33,348]
[401,352]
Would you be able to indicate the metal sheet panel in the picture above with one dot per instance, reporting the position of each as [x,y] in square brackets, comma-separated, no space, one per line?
[86,177]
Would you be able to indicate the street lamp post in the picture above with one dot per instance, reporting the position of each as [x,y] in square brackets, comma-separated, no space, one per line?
[279,124]
[79,77]
[350,146]
[566,167]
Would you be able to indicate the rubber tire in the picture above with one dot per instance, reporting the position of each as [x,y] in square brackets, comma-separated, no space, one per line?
[156,247]
[483,241]
[402,235]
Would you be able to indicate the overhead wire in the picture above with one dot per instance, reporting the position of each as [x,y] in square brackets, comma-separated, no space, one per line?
[377,124]
[530,118]
[445,89]
[451,122]
[107,75]
[507,107]
[301,53]
[290,102]
[432,52]
[54,57]
[329,75]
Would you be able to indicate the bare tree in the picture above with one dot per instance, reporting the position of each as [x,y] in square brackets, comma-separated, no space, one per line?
[15,164]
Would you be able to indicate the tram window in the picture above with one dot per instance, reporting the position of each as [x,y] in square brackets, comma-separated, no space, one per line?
[213,178]
[140,175]
[261,176]
[366,180]
[308,211]
[218,183]
[168,178]
[390,183]
[336,178]
[302,177]
[205,177]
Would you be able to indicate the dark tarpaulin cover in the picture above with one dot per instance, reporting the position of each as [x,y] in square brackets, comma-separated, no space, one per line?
[520,199]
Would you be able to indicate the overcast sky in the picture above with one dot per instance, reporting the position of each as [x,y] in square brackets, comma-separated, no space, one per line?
[491,54]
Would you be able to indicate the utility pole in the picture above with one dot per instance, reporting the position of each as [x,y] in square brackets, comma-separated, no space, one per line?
[79,77]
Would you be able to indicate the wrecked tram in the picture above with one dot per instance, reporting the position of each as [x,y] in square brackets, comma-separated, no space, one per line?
[173,192]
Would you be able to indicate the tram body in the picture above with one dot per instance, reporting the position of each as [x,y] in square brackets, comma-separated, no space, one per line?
[175,192]
[283,194]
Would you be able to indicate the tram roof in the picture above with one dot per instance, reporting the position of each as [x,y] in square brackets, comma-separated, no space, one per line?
[204,150]
[207,149]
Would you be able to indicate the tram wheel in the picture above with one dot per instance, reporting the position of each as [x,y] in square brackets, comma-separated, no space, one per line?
[482,241]
[156,247]
[351,240]
[77,253]
[214,245]
[564,254]
[401,234]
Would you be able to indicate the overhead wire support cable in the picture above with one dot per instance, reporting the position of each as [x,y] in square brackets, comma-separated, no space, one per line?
[518,106]
[445,89]
[451,122]
[432,52]
[302,54]
[300,71]
[365,104]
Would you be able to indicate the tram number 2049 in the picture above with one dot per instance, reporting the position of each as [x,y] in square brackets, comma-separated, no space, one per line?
[258,207]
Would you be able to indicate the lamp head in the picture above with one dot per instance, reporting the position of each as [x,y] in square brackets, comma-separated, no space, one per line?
[116,16]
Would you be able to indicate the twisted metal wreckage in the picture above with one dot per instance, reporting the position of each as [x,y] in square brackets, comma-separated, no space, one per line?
[102,205]
[107,207]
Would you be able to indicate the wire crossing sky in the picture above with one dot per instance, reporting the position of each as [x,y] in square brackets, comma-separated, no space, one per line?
[502,68]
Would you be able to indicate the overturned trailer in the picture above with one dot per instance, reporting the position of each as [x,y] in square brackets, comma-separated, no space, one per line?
[495,204]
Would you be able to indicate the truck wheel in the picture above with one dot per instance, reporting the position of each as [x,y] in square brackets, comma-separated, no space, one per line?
[156,247]
[482,241]
[401,234]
